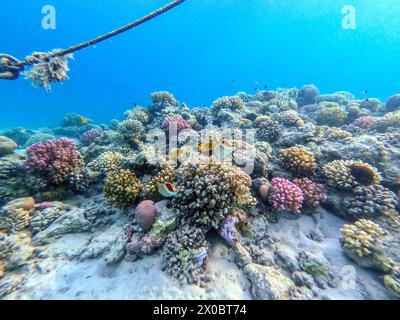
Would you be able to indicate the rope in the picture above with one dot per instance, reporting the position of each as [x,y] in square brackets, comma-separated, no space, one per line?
[108,35]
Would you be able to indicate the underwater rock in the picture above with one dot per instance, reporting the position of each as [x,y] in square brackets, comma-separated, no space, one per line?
[268,283]
[73,221]
[7,146]
[18,135]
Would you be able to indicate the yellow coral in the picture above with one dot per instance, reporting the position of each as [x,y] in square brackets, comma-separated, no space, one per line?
[361,237]
[331,115]
[161,97]
[298,160]
[337,134]
[348,174]
[122,188]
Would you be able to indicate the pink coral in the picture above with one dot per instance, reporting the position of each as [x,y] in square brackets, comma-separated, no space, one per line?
[54,159]
[313,193]
[285,195]
[362,123]
[172,122]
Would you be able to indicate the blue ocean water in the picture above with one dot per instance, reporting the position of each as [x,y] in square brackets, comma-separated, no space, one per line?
[201,50]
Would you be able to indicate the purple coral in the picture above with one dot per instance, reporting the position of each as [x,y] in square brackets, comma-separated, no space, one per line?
[313,193]
[227,230]
[90,136]
[54,159]
[285,195]
[172,122]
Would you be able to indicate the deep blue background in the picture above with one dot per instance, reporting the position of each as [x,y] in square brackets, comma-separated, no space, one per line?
[200,51]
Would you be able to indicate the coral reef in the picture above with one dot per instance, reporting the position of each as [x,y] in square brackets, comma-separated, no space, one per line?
[131,189]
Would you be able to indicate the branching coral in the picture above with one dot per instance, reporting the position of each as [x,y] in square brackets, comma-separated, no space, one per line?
[132,130]
[269,131]
[106,162]
[289,118]
[297,160]
[347,174]
[175,123]
[185,255]
[313,193]
[232,103]
[122,188]
[54,159]
[334,134]
[361,237]
[90,137]
[371,201]
[285,195]
[163,98]
[139,114]
[208,190]
[79,180]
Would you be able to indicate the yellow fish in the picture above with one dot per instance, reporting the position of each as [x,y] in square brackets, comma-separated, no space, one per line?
[167,189]
[84,120]
[174,154]
[207,147]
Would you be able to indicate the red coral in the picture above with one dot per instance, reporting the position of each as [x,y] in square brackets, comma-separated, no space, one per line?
[285,195]
[53,159]
[313,193]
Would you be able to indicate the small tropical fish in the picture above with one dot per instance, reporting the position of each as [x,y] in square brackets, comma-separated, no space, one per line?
[207,147]
[174,154]
[84,120]
[365,91]
[167,190]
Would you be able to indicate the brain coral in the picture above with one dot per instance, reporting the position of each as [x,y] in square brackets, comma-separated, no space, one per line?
[297,160]
[122,188]
[361,237]
[313,193]
[107,161]
[54,159]
[370,201]
[347,174]
[285,195]
[208,190]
